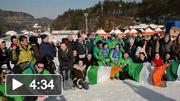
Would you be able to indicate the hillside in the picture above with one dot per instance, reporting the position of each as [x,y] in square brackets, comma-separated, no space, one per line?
[112,13]
[18,21]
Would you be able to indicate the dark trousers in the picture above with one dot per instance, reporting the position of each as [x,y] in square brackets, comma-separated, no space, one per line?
[66,73]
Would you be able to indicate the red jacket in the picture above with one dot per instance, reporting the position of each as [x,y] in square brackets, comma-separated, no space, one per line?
[158,62]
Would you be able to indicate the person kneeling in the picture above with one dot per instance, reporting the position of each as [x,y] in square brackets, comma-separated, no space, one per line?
[79,74]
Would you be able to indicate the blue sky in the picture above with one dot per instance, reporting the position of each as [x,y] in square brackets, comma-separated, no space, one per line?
[45,8]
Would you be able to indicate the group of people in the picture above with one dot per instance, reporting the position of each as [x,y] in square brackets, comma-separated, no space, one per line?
[75,56]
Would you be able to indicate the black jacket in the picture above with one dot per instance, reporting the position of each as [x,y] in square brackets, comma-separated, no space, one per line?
[65,59]
[81,48]
[4,57]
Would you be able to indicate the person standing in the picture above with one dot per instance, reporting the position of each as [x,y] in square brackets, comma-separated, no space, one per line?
[97,53]
[35,46]
[89,43]
[141,48]
[14,47]
[176,48]
[4,54]
[165,45]
[24,55]
[65,60]
[81,47]
[71,43]
[46,48]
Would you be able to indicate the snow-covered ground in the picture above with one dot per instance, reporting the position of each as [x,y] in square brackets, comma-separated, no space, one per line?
[127,90]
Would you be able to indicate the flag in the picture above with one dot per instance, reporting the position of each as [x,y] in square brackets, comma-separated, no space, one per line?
[158,74]
[141,72]
[173,71]
[9,98]
[97,74]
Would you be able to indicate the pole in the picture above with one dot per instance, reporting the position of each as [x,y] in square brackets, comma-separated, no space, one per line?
[86,20]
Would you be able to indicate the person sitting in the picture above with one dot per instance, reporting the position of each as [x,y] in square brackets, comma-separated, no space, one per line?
[89,61]
[141,48]
[3,96]
[79,71]
[167,57]
[157,61]
[115,56]
[75,56]
[142,58]
[105,53]
[39,68]
[126,59]
[124,62]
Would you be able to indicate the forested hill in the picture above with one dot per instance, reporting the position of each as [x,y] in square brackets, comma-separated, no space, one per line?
[18,21]
[112,13]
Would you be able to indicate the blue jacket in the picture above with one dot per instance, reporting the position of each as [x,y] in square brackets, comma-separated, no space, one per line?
[47,49]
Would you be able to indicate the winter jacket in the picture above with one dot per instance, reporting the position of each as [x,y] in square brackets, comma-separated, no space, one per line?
[176,49]
[89,45]
[4,56]
[81,49]
[112,44]
[33,71]
[158,62]
[47,49]
[164,47]
[125,61]
[153,47]
[97,53]
[9,98]
[71,45]
[131,51]
[23,55]
[79,72]
[65,59]
[36,51]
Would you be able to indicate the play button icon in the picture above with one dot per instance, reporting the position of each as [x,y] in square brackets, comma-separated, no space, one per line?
[32,85]
[16,84]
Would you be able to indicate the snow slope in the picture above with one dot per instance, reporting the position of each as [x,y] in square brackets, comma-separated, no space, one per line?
[127,90]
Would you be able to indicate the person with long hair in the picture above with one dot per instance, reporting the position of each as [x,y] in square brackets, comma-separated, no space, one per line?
[176,48]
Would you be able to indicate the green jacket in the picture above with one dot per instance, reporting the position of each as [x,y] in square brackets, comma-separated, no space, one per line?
[113,43]
[125,61]
[14,98]
[96,39]
[33,71]
[98,55]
